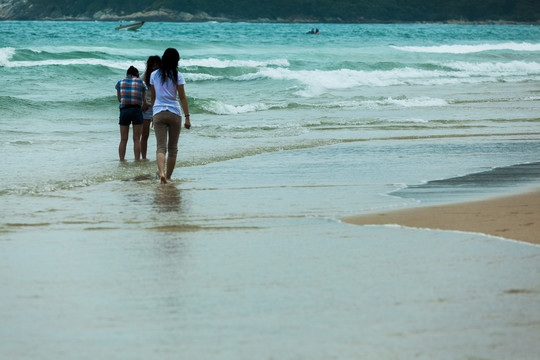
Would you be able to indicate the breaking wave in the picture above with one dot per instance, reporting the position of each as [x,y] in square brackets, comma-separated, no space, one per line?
[467,49]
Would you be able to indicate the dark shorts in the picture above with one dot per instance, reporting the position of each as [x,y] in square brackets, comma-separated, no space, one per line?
[131,115]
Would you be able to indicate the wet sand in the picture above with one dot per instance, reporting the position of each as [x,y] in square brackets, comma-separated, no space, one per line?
[514,217]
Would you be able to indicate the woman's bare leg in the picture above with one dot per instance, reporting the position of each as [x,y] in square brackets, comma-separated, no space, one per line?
[124,134]
[137,131]
[160,159]
[144,138]
[171,163]
[172,145]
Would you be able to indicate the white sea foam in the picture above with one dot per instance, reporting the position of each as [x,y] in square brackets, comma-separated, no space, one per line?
[408,120]
[466,49]
[220,108]
[83,61]
[5,55]
[92,49]
[201,77]
[423,101]
[414,102]
[318,81]
[217,63]
[497,68]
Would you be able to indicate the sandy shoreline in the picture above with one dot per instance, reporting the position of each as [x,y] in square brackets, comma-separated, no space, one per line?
[514,217]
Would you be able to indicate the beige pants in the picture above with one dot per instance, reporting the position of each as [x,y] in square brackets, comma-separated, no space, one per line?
[164,122]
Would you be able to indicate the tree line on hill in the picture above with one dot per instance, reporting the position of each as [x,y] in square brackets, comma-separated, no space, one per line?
[313,10]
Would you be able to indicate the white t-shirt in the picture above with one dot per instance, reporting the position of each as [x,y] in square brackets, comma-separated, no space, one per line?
[166,93]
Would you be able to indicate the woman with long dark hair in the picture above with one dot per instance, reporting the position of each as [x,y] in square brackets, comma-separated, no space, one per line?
[167,86]
[152,64]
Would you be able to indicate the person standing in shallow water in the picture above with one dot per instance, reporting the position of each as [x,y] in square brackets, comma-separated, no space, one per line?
[152,64]
[130,92]
[167,86]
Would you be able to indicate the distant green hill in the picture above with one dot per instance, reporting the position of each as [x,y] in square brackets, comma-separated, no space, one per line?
[306,10]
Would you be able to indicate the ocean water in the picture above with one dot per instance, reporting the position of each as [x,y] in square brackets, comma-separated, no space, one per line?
[242,255]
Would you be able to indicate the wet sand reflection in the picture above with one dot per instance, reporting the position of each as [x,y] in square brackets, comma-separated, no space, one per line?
[167,198]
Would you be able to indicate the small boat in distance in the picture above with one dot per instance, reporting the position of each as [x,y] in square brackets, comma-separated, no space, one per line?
[132,26]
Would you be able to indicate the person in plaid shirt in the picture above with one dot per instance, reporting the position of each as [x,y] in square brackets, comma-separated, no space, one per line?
[131,95]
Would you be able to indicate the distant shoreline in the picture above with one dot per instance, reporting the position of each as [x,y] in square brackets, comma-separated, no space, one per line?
[492,12]
[283,21]
[167,15]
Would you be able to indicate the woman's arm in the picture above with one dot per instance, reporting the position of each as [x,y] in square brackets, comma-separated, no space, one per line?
[184,103]
[144,104]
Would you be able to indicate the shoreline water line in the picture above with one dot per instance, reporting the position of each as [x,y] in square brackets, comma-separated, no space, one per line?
[513,217]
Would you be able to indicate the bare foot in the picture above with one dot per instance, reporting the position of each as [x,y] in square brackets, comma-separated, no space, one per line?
[163,180]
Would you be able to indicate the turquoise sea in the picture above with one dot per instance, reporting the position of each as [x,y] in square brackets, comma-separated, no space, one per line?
[243,255]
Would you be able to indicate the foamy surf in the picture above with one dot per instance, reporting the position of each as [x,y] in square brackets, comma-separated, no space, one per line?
[468,49]
[218,63]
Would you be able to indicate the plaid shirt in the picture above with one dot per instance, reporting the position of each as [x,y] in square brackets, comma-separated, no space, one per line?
[131,91]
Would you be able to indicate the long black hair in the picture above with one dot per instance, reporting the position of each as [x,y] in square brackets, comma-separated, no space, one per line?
[152,63]
[169,65]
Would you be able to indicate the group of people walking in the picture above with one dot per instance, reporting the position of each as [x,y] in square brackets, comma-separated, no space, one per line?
[157,96]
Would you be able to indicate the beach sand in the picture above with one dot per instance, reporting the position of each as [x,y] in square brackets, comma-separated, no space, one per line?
[512,217]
